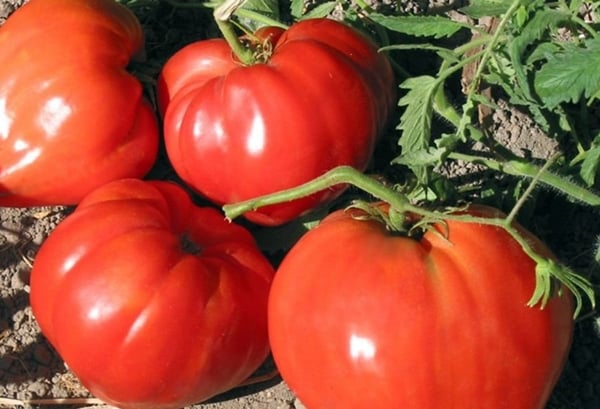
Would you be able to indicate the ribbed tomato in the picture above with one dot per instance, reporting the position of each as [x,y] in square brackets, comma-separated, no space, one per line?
[316,101]
[71,117]
[362,318]
[151,301]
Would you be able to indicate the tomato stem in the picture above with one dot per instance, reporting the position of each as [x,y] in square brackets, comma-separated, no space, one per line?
[336,176]
[516,166]
[547,270]
[222,15]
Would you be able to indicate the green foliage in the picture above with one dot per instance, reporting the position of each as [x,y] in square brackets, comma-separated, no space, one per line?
[250,14]
[419,26]
[570,74]
[300,12]
[266,8]
[297,8]
[416,120]
[483,8]
[591,163]
[541,55]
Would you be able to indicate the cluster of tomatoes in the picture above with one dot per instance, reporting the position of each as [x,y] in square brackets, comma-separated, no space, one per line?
[154,302]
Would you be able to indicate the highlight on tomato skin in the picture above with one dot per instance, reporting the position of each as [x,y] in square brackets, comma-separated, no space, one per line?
[440,322]
[320,100]
[71,117]
[152,301]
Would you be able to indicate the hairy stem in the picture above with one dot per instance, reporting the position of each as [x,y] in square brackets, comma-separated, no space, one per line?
[522,168]
[520,203]
[339,175]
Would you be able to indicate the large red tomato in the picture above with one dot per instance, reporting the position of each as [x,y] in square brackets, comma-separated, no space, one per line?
[234,132]
[360,318]
[71,117]
[152,301]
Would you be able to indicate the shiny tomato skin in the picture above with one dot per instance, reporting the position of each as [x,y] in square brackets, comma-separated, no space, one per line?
[71,117]
[152,301]
[359,318]
[234,132]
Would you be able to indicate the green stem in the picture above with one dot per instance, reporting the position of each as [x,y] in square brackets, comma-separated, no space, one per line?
[522,168]
[450,70]
[440,103]
[446,110]
[339,175]
[222,14]
[546,269]
[527,193]
[443,107]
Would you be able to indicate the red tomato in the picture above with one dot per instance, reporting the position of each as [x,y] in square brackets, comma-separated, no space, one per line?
[360,318]
[71,117]
[235,132]
[151,301]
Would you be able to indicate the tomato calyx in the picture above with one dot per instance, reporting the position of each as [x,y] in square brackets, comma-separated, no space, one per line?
[396,222]
[405,224]
[261,45]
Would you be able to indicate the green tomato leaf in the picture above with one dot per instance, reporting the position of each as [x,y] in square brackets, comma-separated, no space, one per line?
[448,141]
[590,165]
[268,8]
[541,22]
[415,122]
[575,5]
[482,8]
[539,53]
[444,53]
[420,26]
[297,8]
[425,157]
[322,10]
[301,11]
[532,31]
[570,74]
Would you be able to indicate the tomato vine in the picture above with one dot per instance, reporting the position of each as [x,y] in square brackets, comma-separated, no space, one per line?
[547,270]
